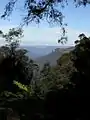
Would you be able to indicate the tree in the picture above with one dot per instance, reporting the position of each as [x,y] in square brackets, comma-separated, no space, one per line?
[41,9]
[14,63]
[81,61]
[51,78]
[35,11]
[64,59]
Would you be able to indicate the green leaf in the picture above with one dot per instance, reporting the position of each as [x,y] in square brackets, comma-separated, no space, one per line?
[21,86]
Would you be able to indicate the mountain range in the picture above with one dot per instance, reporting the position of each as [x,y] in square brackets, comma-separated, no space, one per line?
[43,54]
[40,50]
[53,56]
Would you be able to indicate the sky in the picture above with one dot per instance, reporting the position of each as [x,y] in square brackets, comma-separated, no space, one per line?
[78,20]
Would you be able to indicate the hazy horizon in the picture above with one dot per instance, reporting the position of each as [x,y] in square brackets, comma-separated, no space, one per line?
[44,33]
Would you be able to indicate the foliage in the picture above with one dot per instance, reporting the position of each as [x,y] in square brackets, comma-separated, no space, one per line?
[38,10]
[50,10]
[14,63]
[81,53]
[23,87]
[56,77]
[81,60]
[51,92]
[64,59]
[12,37]
[72,101]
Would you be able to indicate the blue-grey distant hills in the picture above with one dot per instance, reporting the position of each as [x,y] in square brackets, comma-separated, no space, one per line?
[53,56]
[38,51]
[43,54]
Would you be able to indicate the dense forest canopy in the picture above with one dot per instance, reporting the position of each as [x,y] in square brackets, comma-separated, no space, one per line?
[37,94]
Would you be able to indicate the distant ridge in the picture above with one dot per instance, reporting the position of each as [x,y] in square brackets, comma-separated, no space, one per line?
[53,56]
[40,50]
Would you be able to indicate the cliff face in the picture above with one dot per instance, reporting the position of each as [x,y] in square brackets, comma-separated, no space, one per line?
[53,56]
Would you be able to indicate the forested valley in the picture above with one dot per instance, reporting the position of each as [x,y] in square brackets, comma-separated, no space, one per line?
[54,92]
[59,92]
